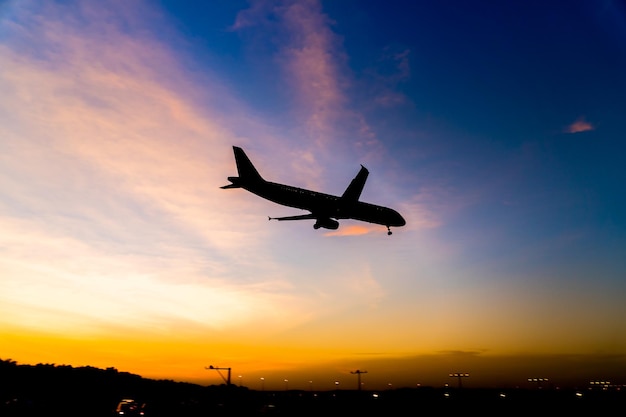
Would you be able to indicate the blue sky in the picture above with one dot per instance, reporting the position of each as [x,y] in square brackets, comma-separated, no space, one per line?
[495,129]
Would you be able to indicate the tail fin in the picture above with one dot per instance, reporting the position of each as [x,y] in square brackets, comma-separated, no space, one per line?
[353,192]
[247,172]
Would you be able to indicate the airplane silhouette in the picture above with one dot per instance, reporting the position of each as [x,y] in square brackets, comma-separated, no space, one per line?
[325,209]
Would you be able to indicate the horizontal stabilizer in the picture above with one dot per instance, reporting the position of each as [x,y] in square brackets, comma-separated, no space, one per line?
[236,183]
[248,175]
[300,217]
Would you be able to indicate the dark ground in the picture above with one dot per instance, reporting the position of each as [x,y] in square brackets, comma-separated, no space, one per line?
[63,390]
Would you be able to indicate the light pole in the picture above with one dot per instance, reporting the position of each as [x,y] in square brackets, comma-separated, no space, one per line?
[227,380]
[262,384]
[358,373]
[286,384]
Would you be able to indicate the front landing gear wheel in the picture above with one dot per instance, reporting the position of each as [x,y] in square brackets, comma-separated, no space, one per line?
[388,231]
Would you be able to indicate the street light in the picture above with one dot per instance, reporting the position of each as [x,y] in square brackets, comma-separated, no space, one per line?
[262,384]
[459,375]
[286,384]
[604,384]
[215,368]
[538,381]
[358,373]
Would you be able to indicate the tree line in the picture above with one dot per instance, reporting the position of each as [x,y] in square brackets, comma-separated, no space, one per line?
[33,389]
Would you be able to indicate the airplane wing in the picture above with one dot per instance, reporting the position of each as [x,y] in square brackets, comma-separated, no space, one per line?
[320,221]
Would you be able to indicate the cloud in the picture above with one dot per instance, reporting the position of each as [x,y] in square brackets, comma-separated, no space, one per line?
[109,175]
[352,230]
[580,125]
[111,116]
[311,60]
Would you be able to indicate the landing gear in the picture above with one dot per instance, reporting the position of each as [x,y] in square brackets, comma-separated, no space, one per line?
[388,231]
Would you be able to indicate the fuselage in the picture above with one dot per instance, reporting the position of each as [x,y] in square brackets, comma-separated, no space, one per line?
[322,204]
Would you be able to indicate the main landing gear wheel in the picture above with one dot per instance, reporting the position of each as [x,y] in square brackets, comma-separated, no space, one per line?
[388,231]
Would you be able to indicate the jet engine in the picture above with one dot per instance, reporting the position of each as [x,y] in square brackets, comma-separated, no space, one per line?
[326,224]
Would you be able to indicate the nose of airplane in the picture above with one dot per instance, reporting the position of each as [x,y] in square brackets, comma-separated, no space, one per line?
[398,220]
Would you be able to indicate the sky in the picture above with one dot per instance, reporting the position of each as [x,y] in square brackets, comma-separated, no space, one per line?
[497,130]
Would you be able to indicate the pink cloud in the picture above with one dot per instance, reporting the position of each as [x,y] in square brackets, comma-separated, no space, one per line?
[353,230]
[314,64]
[312,60]
[580,125]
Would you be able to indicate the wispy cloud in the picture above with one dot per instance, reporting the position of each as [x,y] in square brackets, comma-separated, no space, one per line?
[312,61]
[109,180]
[580,125]
[310,57]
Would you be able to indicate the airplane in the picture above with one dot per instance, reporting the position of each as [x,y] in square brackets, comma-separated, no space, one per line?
[325,209]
